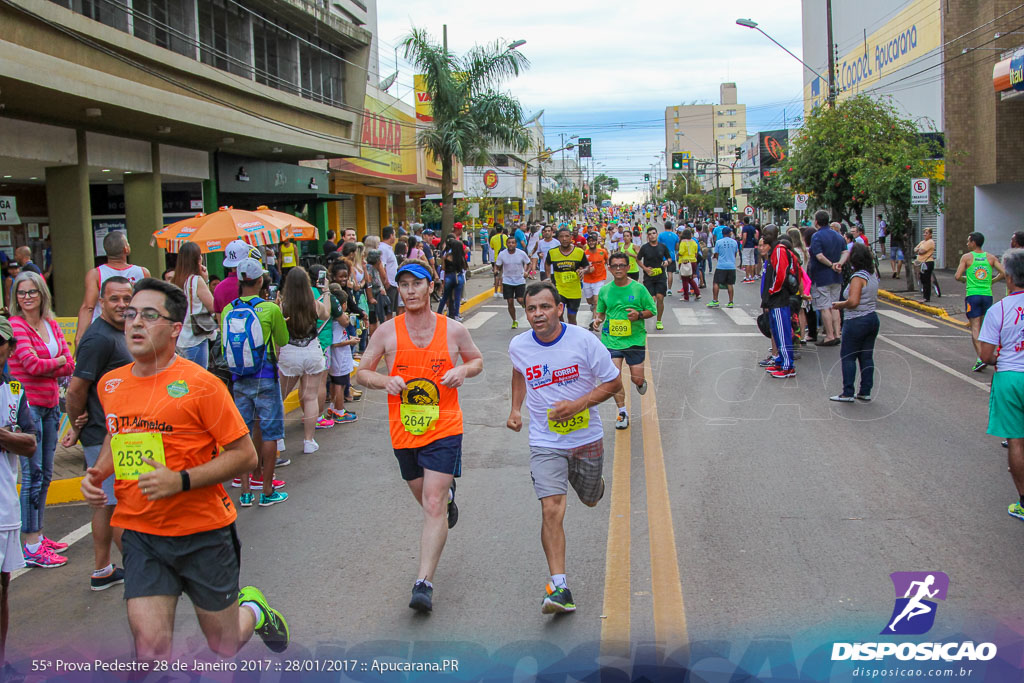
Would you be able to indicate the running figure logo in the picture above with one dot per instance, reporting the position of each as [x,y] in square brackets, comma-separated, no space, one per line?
[914,612]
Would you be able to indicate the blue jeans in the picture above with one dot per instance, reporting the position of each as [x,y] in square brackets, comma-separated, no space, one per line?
[198,354]
[452,297]
[259,398]
[858,345]
[37,470]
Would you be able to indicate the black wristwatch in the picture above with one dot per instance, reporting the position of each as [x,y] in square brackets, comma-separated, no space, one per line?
[186,481]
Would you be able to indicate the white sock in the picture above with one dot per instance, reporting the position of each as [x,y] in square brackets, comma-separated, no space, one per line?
[33,547]
[623,411]
[425,583]
[558,580]
[106,571]
[257,612]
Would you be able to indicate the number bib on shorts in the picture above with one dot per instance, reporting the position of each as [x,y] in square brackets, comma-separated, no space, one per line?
[620,328]
[655,272]
[129,449]
[418,419]
[574,423]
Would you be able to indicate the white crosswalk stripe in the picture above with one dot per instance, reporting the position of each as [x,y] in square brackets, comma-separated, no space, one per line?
[584,317]
[739,316]
[479,319]
[906,319]
[686,316]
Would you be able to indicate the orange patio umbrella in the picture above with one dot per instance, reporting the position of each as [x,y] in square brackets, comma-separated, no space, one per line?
[295,227]
[214,231]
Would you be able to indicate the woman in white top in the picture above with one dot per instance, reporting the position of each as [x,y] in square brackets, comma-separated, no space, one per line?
[191,276]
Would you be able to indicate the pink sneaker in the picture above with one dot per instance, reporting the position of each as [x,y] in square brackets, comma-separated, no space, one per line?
[258,483]
[324,423]
[44,557]
[54,545]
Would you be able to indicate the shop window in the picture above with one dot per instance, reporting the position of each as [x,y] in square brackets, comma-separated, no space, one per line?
[166,23]
[224,37]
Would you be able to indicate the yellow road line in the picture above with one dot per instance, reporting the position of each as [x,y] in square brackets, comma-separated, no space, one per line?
[615,625]
[666,586]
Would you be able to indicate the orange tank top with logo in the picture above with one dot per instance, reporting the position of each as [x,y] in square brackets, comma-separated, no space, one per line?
[426,410]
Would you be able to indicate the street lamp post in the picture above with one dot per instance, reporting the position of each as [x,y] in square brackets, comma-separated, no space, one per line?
[750,23]
[526,166]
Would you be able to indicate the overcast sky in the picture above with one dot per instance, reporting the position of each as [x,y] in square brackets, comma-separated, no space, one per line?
[607,70]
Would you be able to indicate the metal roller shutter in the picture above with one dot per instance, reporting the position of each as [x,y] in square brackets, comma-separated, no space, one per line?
[372,216]
[347,214]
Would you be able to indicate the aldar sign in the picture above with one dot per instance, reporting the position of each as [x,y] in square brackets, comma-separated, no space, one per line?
[9,211]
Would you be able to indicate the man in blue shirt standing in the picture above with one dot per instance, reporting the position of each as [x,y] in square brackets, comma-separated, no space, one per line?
[749,244]
[724,251]
[670,239]
[828,253]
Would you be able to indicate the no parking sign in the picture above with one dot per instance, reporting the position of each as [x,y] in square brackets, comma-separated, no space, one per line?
[919,191]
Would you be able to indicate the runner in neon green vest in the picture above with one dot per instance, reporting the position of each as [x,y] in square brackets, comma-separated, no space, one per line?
[975,269]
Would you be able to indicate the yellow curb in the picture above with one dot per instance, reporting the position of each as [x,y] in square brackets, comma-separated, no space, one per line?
[920,307]
[63,491]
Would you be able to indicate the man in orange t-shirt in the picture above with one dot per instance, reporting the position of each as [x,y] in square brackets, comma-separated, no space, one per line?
[173,435]
[597,273]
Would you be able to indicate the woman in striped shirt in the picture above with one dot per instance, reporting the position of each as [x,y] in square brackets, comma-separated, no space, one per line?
[41,355]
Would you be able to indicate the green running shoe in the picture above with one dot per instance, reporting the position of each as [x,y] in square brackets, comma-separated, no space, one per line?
[271,626]
[557,600]
[245,500]
[1016,510]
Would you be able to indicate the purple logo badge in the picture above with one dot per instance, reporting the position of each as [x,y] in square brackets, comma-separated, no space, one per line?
[916,592]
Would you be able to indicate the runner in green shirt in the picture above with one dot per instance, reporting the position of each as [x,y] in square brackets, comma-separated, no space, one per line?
[622,306]
[975,269]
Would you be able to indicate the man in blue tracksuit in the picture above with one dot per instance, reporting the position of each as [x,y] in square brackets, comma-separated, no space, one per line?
[775,298]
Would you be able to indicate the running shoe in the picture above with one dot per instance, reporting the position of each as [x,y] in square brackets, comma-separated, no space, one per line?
[283,462]
[729,305]
[622,421]
[346,417]
[55,546]
[258,483]
[866,398]
[1016,510]
[270,626]
[557,600]
[642,389]
[1005,443]
[978,365]
[334,414]
[783,374]
[422,597]
[310,446]
[274,498]
[768,362]
[453,509]
[839,398]
[659,326]
[44,557]
[698,296]
[712,304]
[245,500]
[773,368]
[356,395]
[102,583]
[458,318]
[515,324]
[324,423]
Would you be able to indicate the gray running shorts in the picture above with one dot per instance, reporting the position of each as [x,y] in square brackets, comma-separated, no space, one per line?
[553,469]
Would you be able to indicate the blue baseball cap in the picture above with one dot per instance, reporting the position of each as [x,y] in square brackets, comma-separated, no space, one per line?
[416,270]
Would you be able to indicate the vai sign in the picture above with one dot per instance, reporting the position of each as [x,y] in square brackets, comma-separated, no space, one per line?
[388,145]
[919,191]
[9,211]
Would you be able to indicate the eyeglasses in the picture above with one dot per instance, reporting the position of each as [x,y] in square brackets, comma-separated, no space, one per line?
[28,293]
[618,265]
[149,315]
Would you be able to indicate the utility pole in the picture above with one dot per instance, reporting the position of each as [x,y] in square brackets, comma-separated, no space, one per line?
[444,31]
[831,56]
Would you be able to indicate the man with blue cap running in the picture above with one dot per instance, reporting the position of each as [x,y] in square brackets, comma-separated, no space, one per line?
[422,382]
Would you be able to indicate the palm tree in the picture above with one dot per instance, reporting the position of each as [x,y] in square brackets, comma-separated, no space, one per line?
[470,115]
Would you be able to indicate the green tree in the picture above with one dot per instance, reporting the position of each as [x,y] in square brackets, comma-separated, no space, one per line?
[560,201]
[770,193]
[470,115]
[863,153]
[604,185]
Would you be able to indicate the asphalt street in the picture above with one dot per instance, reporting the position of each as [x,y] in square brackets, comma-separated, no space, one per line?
[740,508]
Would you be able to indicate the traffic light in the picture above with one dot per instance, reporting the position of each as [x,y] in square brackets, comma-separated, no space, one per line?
[584,148]
[738,154]
[647,177]
[734,207]
[677,161]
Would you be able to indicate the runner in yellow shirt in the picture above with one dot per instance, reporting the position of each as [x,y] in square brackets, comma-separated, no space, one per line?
[566,265]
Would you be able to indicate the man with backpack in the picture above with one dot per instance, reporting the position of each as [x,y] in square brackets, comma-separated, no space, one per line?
[252,330]
[779,283]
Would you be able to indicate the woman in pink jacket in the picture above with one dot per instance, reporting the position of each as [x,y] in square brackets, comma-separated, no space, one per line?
[41,355]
